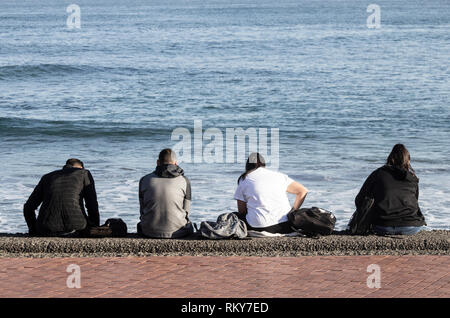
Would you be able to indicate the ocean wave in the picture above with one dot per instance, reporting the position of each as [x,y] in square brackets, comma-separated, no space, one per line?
[8,72]
[16,127]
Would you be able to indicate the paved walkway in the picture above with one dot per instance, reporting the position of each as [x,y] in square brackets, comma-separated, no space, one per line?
[190,276]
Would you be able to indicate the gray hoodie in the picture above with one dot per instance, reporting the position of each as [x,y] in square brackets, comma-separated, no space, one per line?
[165,200]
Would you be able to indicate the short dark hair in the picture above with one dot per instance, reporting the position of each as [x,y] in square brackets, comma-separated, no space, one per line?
[74,161]
[167,155]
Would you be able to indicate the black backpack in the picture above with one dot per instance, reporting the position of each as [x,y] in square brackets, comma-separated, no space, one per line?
[118,227]
[312,221]
[361,221]
[114,227]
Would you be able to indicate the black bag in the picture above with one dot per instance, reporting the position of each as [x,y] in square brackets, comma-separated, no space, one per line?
[361,220]
[118,227]
[312,221]
[114,227]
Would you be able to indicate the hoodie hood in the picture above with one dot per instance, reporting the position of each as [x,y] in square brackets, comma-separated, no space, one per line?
[169,171]
[400,174]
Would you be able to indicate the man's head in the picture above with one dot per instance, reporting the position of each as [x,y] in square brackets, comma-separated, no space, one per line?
[76,163]
[167,156]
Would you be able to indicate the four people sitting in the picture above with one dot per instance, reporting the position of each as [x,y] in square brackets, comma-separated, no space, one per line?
[261,194]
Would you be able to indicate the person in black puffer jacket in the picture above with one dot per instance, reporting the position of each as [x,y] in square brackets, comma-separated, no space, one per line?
[62,193]
[395,190]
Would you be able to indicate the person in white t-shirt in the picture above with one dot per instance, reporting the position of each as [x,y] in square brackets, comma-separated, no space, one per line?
[262,197]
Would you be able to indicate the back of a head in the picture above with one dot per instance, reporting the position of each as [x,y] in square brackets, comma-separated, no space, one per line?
[167,156]
[254,161]
[74,162]
[399,158]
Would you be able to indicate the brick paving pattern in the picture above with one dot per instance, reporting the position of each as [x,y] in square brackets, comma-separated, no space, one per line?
[204,276]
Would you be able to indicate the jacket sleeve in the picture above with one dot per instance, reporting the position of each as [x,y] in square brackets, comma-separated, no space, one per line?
[29,209]
[90,199]
[141,198]
[188,196]
[419,211]
[366,189]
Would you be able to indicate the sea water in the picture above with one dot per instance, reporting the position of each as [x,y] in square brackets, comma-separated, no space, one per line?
[113,91]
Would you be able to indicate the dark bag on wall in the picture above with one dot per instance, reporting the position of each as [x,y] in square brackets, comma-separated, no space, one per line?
[312,221]
[114,227]
[118,227]
[361,220]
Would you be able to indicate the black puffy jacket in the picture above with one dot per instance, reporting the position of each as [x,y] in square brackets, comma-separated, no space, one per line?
[396,194]
[61,193]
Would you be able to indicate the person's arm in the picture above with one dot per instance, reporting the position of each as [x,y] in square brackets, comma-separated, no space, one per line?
[242,207]
[29,209]
[90,199]
[419,211]
[366,189]
[187,197]
[240,198]
[300,191]
[141,198]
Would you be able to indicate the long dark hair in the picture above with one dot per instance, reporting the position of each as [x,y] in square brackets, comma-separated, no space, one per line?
[254,161]
[400,158]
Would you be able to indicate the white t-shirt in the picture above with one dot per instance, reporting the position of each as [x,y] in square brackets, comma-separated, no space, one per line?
[264,191]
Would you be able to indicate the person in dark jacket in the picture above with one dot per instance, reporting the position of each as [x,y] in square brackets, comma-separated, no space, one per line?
[395,190]
[62,193]
[165,200]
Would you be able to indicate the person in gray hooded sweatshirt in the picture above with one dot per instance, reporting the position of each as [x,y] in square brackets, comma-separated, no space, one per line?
[165,200]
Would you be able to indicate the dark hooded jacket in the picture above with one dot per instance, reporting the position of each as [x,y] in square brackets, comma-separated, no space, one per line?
[165,199]
[396,194]
[62,193]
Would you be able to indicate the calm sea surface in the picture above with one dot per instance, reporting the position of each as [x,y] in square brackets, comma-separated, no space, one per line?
[112,92]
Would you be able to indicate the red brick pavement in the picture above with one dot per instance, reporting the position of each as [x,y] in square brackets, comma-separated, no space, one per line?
[191,276]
